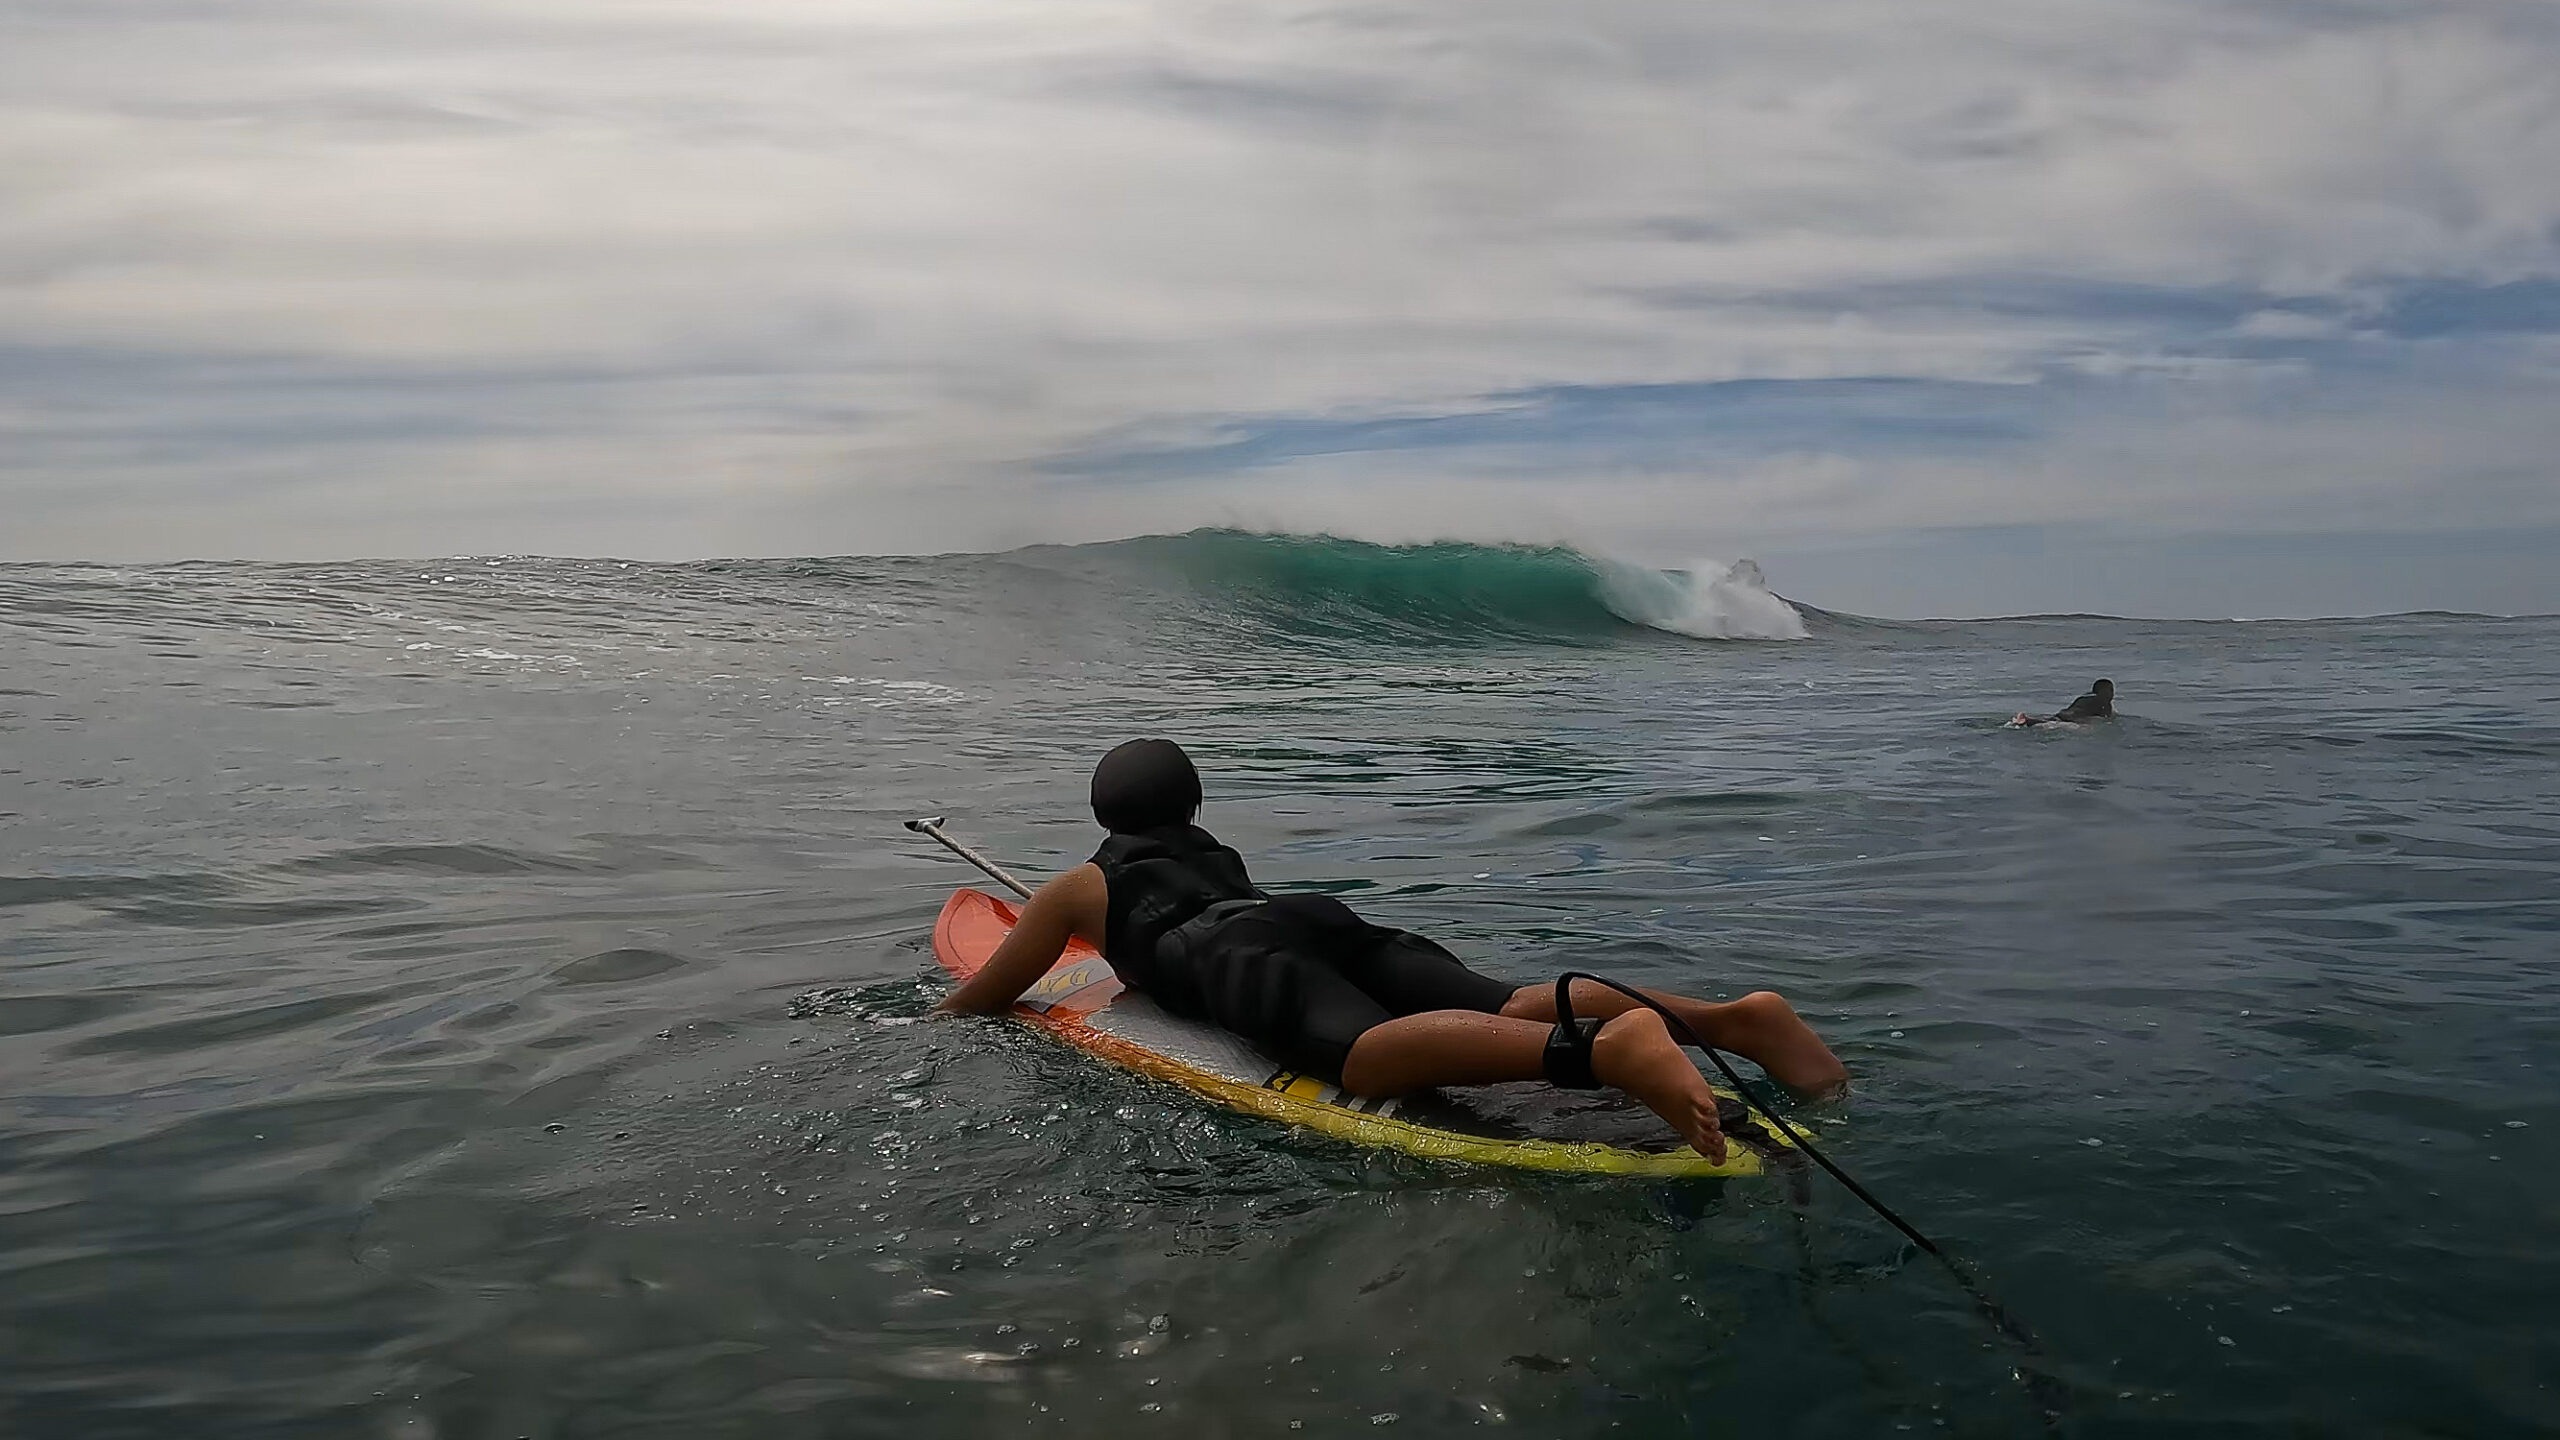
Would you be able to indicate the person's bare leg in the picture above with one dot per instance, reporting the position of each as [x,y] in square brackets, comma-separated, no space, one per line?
[1760,1027]
[1634,1052]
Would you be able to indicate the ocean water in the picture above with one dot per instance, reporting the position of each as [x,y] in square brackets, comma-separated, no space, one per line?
[483,998]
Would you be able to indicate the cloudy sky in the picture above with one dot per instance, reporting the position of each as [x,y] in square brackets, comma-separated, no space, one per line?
[1935,306]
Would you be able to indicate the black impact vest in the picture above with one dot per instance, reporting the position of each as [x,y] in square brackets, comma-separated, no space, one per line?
[1159,880]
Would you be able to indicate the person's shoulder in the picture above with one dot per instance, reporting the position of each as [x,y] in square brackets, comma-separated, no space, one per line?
[1081,897]
[1084,894]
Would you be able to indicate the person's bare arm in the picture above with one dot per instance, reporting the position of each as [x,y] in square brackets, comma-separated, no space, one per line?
[1074,903]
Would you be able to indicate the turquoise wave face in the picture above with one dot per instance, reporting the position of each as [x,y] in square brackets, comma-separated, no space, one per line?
[1454,592]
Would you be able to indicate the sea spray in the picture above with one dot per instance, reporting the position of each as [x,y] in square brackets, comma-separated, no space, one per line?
[1710,599]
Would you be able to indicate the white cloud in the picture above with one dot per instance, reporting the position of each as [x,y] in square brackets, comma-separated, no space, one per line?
[692,275]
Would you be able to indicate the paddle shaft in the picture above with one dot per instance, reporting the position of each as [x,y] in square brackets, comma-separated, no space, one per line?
[933,827]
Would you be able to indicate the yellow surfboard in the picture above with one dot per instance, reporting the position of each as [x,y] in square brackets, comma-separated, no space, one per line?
[1081,1002]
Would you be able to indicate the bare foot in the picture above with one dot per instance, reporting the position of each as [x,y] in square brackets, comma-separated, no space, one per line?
[1765,1027]
[1636,1053]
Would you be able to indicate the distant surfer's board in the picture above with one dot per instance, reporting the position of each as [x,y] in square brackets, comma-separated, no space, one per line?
[1082,1003]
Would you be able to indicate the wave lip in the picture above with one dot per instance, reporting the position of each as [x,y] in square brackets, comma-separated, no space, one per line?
[1456,590]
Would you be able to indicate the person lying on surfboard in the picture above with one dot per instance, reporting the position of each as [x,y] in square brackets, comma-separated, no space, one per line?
[2098,704]
[1380,1012]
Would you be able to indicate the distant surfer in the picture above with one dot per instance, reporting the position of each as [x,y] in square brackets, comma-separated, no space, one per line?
[2098,704]
[1382,1012]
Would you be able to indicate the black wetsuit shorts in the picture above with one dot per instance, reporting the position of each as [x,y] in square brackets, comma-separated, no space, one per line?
[1303,978]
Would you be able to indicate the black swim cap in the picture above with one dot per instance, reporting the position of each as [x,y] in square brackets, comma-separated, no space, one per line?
[1145,785]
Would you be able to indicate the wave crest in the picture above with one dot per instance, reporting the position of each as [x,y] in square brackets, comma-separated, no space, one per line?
[1454,590]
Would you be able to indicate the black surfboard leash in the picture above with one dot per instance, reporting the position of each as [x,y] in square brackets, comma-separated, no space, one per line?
[2046,1392]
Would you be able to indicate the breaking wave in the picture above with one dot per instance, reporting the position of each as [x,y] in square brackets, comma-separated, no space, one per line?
[1457,590]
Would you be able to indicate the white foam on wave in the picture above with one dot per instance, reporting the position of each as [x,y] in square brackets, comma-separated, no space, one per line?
[1710,599]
